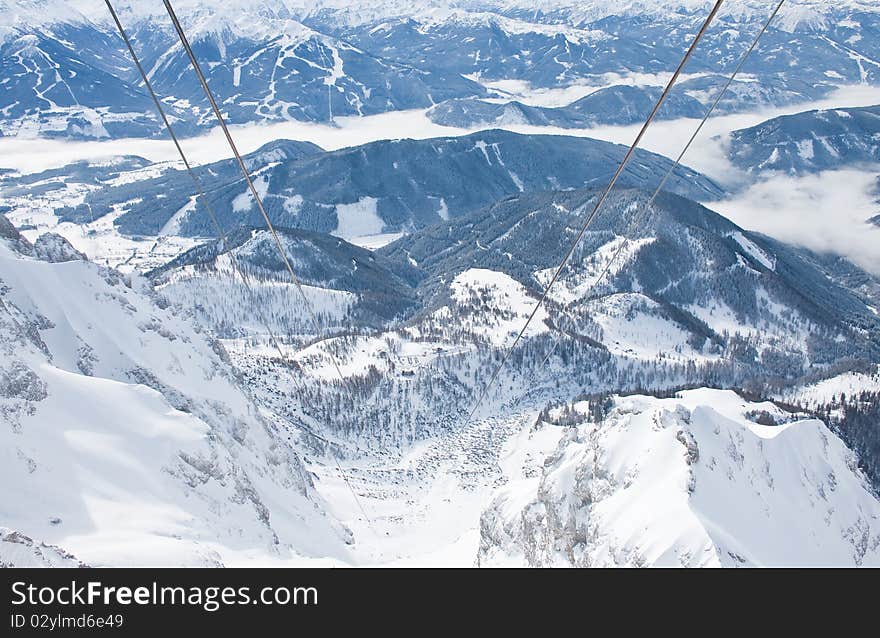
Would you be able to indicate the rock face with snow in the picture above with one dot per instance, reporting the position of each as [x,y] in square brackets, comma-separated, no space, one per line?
[692,481]
[55,249]
[18,550]
[128,436]
[13,238]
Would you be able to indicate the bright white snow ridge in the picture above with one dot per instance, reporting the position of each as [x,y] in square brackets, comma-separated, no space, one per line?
[127,437]
[689,481]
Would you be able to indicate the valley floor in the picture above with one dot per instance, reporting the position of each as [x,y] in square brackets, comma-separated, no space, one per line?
[440,503]
[424,507]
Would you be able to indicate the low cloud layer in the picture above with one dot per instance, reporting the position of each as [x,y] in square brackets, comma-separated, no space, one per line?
[826,212]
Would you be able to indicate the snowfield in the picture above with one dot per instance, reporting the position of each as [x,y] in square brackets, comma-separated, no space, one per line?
[823,392]
[501,303]
[690,481]
[128,437]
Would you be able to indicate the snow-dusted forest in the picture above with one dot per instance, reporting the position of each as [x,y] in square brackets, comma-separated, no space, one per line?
[182,384]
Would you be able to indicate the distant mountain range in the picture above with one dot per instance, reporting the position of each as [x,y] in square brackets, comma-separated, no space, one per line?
[813,42]
[68,75]
[622,105]
[381,187]
[810,142]
[613,105]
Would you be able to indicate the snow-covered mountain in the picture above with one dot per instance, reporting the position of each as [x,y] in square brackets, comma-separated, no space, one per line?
[612,105]
[279,69]
[814,44]
[275,61]
[850,403]
[388,186]
[810,142]
[692,300]
[76,80]
[621,104]
[158,410]
[683,272]
[18,550]
[71,80]
[127,435]
[703,479]
[214,453]
[346,285]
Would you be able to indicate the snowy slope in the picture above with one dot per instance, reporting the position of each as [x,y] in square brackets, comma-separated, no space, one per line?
[826,391]
[684,284]
[270,67]
[345,284]
[690,481]
[68,78]
[132,439]
[490,305]
[18,550]
[71,75]
[127,436]
[395,185]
